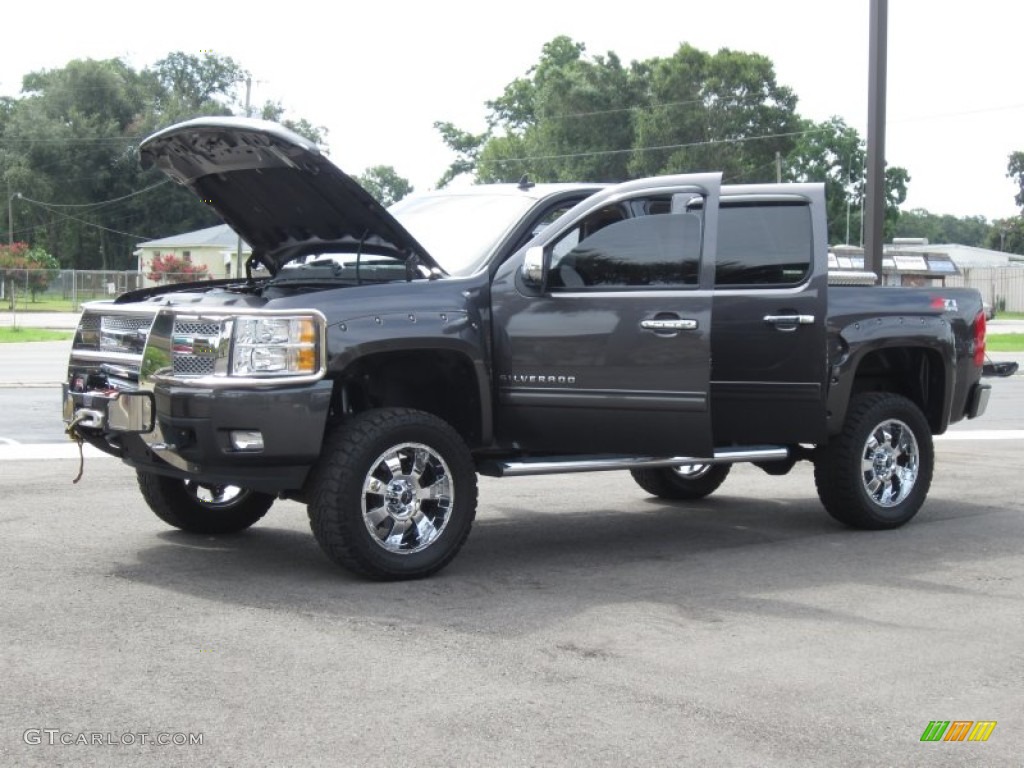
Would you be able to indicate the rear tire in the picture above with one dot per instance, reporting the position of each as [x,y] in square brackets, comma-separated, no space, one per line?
[196,508]
[688,481]
[875,475]
[393,495]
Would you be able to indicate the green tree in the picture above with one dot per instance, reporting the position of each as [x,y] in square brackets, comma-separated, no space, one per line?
[68,145]
[1007,235]
[466,147]
[23,268]
[723,111]
[1015,171]
[575,117]
[191,85]
[273,110]
[945,228]
[384,183]
[833,153]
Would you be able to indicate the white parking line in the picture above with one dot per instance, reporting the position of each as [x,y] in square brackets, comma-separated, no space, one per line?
[8,441]
[983,434]
[47,451]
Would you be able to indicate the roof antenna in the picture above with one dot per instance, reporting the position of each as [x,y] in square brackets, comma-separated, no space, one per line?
[525,183]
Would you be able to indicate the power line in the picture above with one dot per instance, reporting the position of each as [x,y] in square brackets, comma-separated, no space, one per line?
[95,205]
[72,140]
[709,142]
[106,229]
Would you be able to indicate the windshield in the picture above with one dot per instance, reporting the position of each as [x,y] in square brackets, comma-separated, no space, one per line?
[461,230]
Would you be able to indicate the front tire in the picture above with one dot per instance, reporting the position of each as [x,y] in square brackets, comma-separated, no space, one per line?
[393,495]
[875,475]
[685,482]
[198,508]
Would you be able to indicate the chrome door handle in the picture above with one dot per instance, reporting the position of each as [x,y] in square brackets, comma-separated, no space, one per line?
[789,319]
[669,325]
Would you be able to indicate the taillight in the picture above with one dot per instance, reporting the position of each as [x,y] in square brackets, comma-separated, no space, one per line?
[979,339]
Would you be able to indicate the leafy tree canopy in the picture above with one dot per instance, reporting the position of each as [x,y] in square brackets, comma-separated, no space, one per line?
[68,153]
[576,117]
[579,118]
[1008,234]
[384,183]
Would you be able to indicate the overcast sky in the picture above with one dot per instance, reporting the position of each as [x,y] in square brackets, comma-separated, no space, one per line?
[378,75]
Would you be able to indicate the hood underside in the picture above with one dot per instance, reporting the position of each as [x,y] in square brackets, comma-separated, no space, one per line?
[277,190]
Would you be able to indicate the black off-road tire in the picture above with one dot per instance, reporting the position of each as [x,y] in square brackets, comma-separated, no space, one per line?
[875,475]
[178,503]
[682,484]
[393,495]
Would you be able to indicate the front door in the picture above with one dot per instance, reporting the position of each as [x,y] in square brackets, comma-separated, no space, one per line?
[610,352]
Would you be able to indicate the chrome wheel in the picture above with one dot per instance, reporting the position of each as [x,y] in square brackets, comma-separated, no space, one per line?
[214,496]
[692,471]
[890,463]
[202,507]
[407,498]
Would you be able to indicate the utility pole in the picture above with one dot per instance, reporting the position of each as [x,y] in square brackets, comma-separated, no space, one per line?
[875,206]
[778,167]
[238,254]
[10,214]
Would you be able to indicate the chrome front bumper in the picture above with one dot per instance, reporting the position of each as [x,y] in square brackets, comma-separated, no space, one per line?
[124,412]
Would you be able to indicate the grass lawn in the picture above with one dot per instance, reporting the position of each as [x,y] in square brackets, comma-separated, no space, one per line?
[8,335]
[44,304]
[1005,342]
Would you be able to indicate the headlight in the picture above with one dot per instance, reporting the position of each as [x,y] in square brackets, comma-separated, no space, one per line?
[263,346]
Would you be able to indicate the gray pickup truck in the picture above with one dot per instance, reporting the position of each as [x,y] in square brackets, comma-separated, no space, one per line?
[372,362]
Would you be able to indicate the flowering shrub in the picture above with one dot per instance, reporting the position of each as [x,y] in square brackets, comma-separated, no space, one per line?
[175,269]
[28,268]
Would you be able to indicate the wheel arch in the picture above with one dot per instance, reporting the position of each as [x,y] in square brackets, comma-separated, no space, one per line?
[441,380]
[918,371]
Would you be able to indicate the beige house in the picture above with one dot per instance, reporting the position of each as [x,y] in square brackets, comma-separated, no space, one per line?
[214,247]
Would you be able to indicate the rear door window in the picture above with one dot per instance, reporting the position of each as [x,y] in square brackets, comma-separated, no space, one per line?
[763,244]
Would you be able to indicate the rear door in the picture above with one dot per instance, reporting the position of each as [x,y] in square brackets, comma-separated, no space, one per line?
[768,345]
[610,353]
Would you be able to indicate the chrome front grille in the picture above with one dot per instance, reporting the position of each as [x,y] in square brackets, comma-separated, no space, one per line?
[187,365]
[195,346]
[124,333]
[126,322]
[193,328]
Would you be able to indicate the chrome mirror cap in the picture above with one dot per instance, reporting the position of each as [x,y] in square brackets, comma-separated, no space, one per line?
[533,267]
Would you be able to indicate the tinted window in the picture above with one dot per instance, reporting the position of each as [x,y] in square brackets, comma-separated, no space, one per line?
[649,251]
[763,244]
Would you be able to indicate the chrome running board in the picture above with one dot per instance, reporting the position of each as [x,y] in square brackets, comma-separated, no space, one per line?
[553,465]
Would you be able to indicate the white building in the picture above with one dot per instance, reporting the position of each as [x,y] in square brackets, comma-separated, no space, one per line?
[214,247]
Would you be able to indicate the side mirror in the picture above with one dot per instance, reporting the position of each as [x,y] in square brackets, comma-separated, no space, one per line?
[532,270]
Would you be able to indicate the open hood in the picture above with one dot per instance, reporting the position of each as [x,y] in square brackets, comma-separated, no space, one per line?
[276,189]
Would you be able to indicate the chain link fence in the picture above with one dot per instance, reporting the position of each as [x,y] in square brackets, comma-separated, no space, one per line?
[1002,287]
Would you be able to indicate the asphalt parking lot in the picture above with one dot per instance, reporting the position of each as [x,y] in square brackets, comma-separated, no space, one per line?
[583,624]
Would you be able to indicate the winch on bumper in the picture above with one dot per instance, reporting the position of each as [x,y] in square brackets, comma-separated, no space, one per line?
[220,397]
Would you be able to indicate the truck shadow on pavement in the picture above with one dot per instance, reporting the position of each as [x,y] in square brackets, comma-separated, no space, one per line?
[707,561]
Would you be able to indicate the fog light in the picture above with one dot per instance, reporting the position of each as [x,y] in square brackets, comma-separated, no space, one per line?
[247,440]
